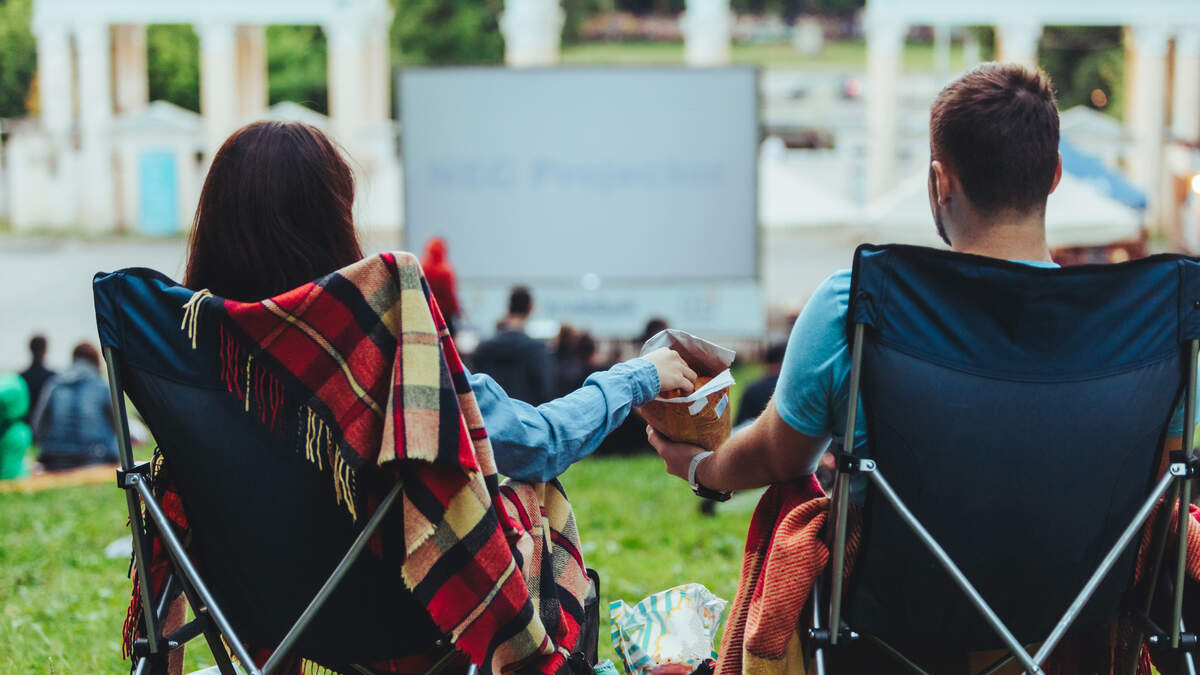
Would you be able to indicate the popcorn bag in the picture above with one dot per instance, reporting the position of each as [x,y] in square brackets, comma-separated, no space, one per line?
[669,632]
[702,418]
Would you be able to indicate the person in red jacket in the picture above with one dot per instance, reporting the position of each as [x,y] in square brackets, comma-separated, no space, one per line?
[440,275]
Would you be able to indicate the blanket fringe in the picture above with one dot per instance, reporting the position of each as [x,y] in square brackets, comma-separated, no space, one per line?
[191,313]
[263,395]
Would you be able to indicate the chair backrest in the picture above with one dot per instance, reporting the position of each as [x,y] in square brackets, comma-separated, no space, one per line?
[1020,413]
[266,528]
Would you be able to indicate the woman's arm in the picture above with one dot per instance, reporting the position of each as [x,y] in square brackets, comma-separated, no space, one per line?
[539,443]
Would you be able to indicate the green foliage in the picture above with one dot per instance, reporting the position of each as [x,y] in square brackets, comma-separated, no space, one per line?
[296,66]
[18,56]
[447,32]
[173,62]
[834,6]
[1081,59]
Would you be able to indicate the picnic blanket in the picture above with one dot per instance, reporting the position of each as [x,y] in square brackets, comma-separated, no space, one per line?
[362,362]
[786,552]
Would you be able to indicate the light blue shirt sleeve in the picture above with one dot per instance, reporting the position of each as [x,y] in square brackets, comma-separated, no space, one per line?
[539,443]
[812,390]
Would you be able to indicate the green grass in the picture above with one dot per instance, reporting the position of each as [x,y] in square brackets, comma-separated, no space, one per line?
[841,55]
[62,602]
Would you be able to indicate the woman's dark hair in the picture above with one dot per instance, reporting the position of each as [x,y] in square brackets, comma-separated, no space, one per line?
[276,212]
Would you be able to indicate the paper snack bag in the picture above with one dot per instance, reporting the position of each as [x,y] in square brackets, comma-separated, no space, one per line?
[702,418]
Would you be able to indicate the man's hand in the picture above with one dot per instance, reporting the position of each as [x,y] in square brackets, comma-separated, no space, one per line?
[673,371]
[678,456]
[768,451]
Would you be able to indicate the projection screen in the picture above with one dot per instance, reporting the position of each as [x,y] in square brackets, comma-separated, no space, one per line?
[619,174]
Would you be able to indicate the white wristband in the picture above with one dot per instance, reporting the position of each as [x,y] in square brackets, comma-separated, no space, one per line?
[691,478]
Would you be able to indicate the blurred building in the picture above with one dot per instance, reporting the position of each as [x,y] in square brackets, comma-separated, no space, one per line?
[1162,74]
[103,157]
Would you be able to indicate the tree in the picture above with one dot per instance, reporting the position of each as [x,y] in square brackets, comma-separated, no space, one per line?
[1080,60]
[447,32]
[173,64]
[297,66]
[18,56]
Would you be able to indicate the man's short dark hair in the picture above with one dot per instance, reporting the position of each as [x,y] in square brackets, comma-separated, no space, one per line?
[37,347]
[996,128]
[520,302]
[86,352]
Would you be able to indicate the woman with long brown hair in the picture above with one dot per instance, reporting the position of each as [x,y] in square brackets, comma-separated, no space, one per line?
[276,212]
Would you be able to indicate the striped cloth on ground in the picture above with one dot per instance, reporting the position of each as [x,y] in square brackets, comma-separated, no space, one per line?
[381,388]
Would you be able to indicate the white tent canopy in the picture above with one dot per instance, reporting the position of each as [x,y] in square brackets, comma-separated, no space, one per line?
[788,199]
[1077,214]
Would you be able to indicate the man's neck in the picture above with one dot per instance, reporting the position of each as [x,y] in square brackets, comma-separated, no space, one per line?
[1008,239]
[515,323]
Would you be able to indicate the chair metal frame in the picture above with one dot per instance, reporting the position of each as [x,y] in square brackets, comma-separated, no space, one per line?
[1178,479]
[151,651]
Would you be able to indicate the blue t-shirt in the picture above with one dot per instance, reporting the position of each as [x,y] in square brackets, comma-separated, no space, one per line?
[814,381]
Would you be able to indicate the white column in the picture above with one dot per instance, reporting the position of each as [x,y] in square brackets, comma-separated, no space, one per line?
[941,52]
[98,207]
[54,81]
[1147,113]
[251,72]
[972,52]
[1185,114]
[885,42]
[218,83]
[129,54]
[532,32]
[379,74]
[1018,42]
[706,26]
[347,62]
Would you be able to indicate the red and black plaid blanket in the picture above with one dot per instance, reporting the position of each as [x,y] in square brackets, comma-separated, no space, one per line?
[385,391]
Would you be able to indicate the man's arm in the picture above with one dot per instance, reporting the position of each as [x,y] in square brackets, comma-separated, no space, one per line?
[768,451]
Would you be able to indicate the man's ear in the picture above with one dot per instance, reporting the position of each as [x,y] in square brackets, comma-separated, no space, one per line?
[1057,174]
[942,180]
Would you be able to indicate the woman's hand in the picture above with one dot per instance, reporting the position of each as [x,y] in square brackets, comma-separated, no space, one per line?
[673,371]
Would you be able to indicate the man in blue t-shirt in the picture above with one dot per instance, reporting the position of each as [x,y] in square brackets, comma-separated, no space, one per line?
[994,161]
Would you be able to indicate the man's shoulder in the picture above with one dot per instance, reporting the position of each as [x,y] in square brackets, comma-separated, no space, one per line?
[830,302]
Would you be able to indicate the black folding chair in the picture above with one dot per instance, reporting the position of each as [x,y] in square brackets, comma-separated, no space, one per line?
[271,561]
[1019,414]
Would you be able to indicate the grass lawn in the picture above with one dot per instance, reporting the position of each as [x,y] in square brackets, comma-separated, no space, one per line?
[841,55]
[62,602]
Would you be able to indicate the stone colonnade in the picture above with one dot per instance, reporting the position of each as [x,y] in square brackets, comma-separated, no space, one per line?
[1148,45]
[89,70]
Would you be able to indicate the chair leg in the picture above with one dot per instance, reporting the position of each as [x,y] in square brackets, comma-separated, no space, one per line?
[819,651]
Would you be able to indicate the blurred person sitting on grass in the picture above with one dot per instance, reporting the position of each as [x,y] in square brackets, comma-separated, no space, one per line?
[758,394]
[73,421]
[276,213]
[37,374]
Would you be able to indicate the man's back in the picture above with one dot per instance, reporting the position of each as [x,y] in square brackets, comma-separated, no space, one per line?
[519,363]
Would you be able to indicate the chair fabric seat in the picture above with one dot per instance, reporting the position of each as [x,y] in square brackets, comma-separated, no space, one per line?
[1020,413]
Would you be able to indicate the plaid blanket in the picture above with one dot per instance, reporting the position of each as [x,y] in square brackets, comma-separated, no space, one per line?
[381,388]
[786,552]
